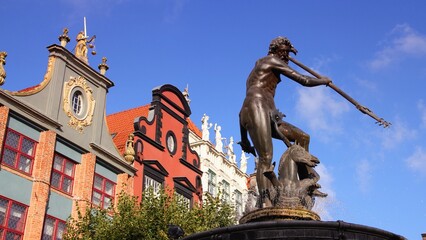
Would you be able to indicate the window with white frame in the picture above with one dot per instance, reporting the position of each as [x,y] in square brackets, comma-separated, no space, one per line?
[19,151]
[211,188]
[152,183]
[183,191]
[238,202]
[226,188]
[77,102]
[184,199]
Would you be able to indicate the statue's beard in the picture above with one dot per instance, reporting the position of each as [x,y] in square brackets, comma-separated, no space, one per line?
[285,59]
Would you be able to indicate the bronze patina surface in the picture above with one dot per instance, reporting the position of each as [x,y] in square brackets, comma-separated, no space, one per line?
[262,121]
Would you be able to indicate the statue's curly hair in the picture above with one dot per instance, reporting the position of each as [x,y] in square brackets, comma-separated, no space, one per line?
[278,41]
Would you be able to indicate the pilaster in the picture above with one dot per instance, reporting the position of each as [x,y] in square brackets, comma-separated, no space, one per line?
[83,184]
[41,184]
[125,184]
[4,115]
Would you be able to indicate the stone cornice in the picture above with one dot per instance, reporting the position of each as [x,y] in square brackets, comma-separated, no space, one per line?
[190,166]
[29,111]
[117,162]
[75,64]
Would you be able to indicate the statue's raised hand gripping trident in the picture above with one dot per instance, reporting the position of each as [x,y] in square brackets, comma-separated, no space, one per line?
[259,116]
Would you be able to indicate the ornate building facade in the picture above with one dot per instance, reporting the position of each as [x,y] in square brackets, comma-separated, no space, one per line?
[221,174]
[56,153]
[163,156]
[60,153]
[171,151]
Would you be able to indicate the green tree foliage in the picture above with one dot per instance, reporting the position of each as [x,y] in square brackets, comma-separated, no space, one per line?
[150,218]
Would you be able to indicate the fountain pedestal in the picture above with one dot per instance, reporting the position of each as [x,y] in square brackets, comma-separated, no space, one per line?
[277,213]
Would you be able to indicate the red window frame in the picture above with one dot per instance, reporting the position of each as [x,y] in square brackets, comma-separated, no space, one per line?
[18,151]
[56,222]
[62,174]
[5,222]
[102,191]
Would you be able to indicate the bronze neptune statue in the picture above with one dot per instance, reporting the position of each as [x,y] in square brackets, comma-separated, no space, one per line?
[262,120]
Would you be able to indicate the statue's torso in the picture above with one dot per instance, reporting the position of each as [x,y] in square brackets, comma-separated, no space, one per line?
[262,81]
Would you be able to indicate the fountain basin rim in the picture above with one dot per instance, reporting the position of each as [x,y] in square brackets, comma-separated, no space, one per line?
[297,224]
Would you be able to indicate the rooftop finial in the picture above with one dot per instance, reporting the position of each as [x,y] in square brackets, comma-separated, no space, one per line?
[185,93]
[3,56]
[64,39]
[103,67]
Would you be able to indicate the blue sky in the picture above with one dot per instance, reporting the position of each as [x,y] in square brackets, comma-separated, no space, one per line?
[373,50]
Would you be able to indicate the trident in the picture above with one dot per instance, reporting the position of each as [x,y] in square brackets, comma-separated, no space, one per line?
[361,108]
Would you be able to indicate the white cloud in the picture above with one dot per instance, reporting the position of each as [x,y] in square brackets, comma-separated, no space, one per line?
[422,108]
[403,42]
[174,10]
[396,134]
[325,206]
[86,7]
[320,110]
[323,62]
[363,175]
[368,85]
[417,161]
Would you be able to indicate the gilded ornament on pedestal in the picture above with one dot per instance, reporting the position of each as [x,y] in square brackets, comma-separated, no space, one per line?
[3,56]
[64,39]
[129,152]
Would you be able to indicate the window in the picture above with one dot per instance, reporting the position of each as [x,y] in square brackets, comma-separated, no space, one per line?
[151,183]
[185,200]
[53,228]
[62,174]
[103,192]
[139,150]
[77,103]
[12,219]
[238,202]
[19,151]
[171,142]
[226,191]
[184,190]
[153,175]
[212,183]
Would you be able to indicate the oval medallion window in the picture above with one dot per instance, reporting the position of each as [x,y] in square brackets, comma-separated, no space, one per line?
[79,104]
[171,142]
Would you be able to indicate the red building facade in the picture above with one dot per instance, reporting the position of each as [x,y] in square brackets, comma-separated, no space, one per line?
[163,156]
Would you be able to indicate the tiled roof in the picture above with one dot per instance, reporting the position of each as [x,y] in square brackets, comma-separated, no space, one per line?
[28,89]
[120,124]
[194,128]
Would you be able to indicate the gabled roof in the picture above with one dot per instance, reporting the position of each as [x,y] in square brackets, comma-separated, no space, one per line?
[194,128]
[121,125]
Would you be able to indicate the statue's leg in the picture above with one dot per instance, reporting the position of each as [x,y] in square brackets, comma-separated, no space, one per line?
[260,134]
[294,134]
[299,137]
